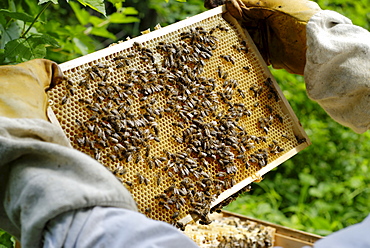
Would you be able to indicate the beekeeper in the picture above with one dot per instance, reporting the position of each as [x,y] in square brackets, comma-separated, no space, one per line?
[54,196]
[331,53]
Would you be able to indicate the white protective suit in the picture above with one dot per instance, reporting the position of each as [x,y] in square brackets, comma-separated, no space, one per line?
[337,71]
[55,196]
[337,76]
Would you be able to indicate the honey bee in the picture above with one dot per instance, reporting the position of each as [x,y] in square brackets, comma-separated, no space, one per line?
[80,141]
[280,118]
[65,98]
[257,178]
[269,108]
[175,215]
[159,179]
[129,183]
[285,136]
[228,58]
[247,68]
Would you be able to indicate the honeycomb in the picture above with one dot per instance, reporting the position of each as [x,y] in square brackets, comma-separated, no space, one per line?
[185,116]
[231,232]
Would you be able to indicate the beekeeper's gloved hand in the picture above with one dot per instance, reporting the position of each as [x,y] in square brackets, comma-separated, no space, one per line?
[277,27]
[23,88]
[331,52]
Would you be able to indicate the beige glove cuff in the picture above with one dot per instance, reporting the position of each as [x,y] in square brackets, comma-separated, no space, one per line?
[23,86]
[278,28]
[337,70]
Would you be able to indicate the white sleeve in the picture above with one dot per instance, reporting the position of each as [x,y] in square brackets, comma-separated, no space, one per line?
[353,236]
[40,179]
[113,228]
[337,70]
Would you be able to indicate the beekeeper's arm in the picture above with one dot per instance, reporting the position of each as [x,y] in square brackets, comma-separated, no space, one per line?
[52,195]
[331,52]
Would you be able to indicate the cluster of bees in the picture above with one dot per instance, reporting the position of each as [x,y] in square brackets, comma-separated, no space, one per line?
[231,232]
[163,124]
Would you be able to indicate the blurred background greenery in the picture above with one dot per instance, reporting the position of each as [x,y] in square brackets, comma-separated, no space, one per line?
[322,189]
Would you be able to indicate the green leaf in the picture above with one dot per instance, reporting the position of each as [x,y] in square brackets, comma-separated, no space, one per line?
[24,49]
[97,22]
[130,11]
[80,45]
[356,182]
[82,15]
[5,240]
[2,21]
[102,32]
[307,179]
[2,56]
[116,1]
[44,39]
[16,15]
[97,5]
[33,8]
[10,33]
[120,18]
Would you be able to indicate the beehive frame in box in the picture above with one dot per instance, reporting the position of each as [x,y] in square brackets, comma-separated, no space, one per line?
[185,116]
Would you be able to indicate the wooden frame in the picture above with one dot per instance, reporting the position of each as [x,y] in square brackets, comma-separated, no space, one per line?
[298,130]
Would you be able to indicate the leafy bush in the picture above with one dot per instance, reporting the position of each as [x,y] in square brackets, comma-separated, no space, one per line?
[47,30]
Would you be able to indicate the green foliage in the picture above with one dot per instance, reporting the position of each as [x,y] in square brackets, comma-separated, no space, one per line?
[61,31]
[47,29]
[97,5]
[6,240]
[171,11]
